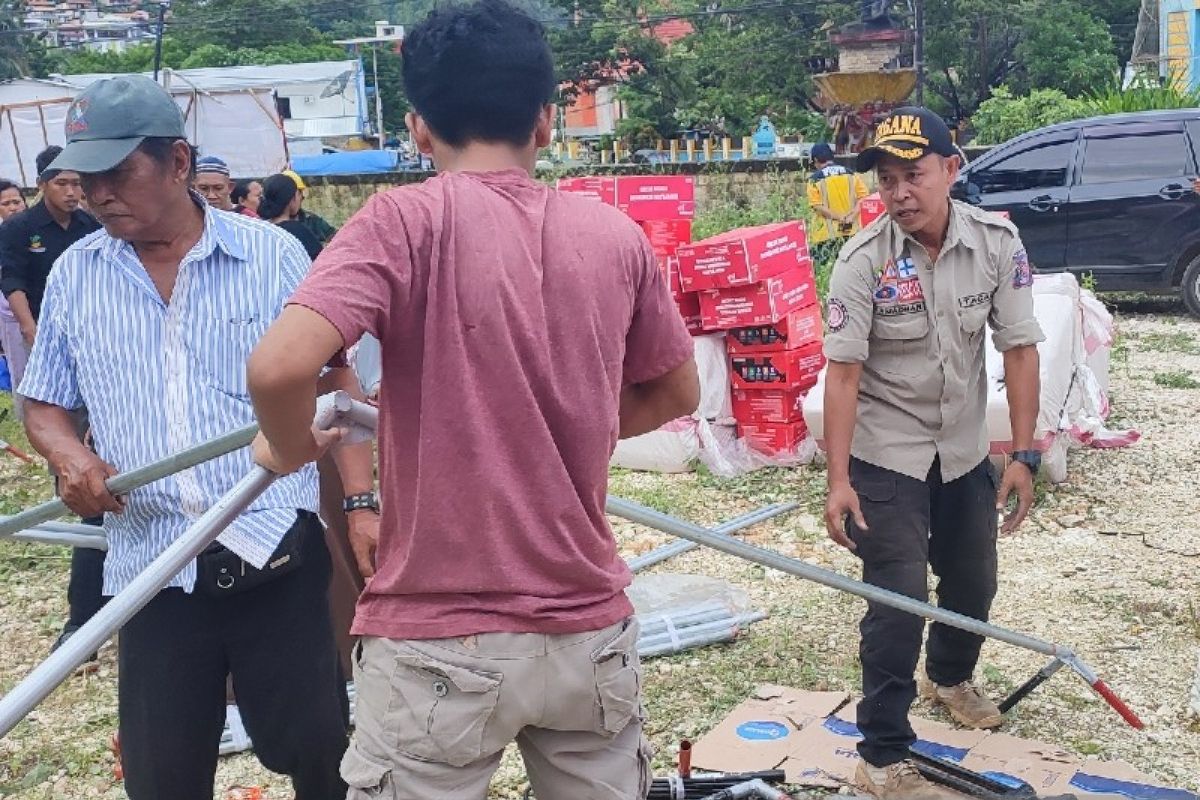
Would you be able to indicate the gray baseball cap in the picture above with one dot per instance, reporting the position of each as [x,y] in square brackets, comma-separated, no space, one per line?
[110,118]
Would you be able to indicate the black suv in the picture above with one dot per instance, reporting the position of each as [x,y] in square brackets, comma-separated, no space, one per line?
[1111,196]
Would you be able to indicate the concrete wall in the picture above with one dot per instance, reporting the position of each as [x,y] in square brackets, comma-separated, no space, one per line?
[744,183]
[749,183]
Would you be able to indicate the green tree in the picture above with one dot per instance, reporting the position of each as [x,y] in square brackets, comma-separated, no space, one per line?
[1003,115]
[1063,47]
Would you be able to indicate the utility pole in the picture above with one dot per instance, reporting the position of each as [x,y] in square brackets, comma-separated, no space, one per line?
[919,51]
[378,99]
[158,34]
[385,33]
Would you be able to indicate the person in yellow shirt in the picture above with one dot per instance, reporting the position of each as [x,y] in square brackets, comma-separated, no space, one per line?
[833,195]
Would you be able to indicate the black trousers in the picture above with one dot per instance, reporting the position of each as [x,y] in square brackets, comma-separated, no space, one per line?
[951,527]
[85,594]
[276,641]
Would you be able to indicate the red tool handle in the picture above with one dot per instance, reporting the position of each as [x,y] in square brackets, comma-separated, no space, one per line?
[685,759]
[1117,703]
[18,453]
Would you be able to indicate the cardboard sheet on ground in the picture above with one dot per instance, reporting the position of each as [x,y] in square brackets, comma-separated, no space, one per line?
[813,738]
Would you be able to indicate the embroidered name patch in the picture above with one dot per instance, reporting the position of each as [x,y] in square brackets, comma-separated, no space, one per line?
[970,301]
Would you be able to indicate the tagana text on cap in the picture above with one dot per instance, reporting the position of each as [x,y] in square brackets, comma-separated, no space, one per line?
[110,118]
[908,133]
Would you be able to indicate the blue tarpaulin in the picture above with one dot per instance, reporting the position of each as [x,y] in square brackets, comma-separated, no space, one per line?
[350,162]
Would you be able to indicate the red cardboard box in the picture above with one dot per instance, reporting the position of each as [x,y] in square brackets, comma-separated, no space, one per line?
[795,330]
[603,189]
[666,235]
[760,303]
[783,369]
[689,309]
[870,208]
[654,197]
[773,438]
[768,406]
[743,256]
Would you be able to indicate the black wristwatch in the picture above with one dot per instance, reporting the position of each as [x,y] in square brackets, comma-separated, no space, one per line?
[359,502]
[1030,458]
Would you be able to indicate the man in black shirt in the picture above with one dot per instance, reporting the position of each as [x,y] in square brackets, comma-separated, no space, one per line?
[30,243]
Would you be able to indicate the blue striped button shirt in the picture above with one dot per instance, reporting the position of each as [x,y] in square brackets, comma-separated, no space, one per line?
[157,378]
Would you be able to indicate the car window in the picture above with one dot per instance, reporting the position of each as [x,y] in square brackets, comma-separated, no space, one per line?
[1111,159]
[1040,165]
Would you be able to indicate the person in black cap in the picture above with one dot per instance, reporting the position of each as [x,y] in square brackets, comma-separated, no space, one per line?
[833,196]
[30,243]
[910,483]
[32,240]
[149,323]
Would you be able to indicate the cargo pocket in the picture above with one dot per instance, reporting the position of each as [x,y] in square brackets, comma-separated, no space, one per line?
[618,680]
[366,777]
[442,708]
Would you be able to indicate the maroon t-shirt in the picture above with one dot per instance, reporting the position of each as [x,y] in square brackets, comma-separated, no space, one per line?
[510,316]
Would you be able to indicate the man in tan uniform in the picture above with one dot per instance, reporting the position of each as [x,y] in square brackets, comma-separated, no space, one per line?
[910,483]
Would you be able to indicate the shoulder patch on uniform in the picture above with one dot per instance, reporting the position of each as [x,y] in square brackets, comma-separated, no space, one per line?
[836,315]
[1022,271]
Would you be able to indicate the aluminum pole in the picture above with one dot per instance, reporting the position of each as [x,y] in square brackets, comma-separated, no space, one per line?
[43,536]
[731,526]
[60,664]
[137,478]
[768,558]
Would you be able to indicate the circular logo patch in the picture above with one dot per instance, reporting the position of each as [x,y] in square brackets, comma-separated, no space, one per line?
[886,293]
[756,731]
[836,314]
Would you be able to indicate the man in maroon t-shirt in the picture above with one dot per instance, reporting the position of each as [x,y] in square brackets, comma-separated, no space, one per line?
[523,332]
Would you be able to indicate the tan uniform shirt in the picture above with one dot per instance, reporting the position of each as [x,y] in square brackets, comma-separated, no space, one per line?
[918,327]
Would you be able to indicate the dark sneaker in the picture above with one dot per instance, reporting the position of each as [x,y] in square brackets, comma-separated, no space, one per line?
[87,667]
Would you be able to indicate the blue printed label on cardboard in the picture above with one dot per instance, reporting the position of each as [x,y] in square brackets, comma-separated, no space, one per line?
[757,731]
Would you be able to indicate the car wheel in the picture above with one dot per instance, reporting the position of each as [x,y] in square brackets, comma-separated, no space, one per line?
[1191,287]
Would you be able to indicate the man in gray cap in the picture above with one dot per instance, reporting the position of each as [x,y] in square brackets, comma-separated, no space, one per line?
[213,182]
[149,323]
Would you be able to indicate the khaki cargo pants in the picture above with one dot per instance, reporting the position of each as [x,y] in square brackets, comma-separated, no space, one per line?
[434,716]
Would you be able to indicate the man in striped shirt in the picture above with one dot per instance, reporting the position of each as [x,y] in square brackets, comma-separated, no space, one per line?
[149,323]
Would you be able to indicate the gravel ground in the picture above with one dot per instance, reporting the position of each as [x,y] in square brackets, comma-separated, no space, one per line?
[1106,564]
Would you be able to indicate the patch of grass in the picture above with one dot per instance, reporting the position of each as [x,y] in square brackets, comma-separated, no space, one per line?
[1178,379]
[1173,342]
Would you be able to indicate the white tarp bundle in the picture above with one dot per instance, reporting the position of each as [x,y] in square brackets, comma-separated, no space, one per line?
[242,127]
[1074,378]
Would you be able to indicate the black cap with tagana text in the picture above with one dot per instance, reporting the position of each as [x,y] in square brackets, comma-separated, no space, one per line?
[908,133]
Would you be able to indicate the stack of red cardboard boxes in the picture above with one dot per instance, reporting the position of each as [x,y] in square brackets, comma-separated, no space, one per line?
[663,206]
[757,284]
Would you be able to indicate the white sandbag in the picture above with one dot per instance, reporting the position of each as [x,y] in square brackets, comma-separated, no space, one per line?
[712,362]
[677,446]
[672,448]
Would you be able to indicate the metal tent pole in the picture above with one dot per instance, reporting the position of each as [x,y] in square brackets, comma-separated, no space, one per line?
[767,558]
[136,478]
[60,664]
[730,526]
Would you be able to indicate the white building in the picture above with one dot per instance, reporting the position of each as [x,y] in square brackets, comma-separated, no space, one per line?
[321,99]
